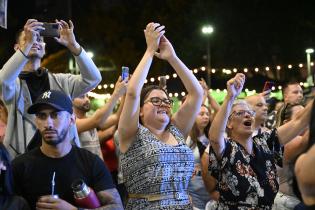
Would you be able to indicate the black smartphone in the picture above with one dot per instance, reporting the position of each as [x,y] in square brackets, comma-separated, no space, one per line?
[268,85]
[124,72]
[51,30]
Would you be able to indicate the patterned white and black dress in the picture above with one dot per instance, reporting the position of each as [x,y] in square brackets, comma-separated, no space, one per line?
[151,167]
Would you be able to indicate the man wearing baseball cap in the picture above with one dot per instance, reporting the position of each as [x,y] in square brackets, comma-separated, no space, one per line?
[57,157]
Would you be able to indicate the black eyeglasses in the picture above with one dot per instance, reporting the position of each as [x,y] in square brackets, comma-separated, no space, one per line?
[242,113]
[156,101]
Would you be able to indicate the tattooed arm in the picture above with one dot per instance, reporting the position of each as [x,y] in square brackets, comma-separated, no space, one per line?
[109,199]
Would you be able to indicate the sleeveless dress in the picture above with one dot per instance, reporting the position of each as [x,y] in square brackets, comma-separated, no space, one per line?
[151,167]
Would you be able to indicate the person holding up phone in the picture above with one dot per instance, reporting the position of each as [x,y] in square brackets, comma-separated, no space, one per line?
[124,73]
[23,79]
[101,119]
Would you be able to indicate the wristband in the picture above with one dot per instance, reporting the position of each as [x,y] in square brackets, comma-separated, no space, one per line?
[79,52]
[24,54]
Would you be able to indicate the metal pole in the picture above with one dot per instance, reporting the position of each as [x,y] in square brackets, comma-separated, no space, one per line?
[309,74]
[208,63]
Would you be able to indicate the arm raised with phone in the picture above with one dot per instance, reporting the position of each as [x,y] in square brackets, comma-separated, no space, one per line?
[30,50]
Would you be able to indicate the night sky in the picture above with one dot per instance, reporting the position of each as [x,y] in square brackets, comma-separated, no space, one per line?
[247,33]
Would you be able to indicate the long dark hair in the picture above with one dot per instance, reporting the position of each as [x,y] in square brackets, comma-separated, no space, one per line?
[195,133]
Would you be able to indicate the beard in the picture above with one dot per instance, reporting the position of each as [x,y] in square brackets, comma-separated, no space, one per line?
[58,139]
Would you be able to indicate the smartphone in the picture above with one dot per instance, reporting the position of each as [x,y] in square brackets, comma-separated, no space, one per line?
[51,30]
[124,72]
[268,85]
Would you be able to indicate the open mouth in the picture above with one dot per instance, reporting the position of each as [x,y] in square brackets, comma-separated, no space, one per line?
[162,112]
[248,123]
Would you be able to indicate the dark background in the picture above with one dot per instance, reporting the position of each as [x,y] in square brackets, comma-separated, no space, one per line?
[247,33]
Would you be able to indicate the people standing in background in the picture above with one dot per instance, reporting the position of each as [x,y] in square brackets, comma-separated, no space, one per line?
[305,170]
[259,106]
[285,199]
[197,142]
[292,93]
[101,119]
[212,104]
[3,120]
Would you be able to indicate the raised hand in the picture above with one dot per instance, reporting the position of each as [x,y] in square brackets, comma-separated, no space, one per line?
[30,33]
[166,49]
[153,33]
[235,85]
[266,94]
[67,37]
[204,86]
[121,86]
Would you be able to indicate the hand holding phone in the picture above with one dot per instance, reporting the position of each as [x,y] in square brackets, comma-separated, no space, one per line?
[51,30]
[268,85]
[124,72]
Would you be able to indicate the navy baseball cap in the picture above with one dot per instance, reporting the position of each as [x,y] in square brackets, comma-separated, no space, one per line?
[54,98]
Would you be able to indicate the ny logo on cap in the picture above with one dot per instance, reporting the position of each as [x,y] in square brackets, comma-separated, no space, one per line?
[46,95]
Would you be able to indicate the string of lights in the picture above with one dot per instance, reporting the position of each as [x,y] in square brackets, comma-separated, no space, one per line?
[213,71]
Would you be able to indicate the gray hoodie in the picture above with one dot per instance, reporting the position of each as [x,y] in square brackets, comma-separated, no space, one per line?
[16,96]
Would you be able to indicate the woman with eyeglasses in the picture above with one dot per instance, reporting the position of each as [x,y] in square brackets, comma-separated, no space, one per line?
[244,165]
[156,163]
